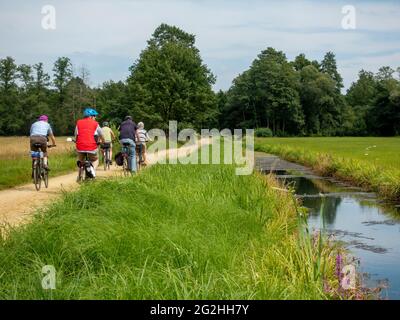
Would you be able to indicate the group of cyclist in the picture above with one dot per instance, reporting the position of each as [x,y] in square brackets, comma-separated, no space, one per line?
[88,136]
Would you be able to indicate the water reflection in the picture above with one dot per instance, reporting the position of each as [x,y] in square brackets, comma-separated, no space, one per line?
[310,190]
[369,229]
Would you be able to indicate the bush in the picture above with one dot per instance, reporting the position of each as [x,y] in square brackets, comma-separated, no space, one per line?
[263,132]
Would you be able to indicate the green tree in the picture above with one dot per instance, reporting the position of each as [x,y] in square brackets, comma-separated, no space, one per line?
[384,116]
[10,109]
[322,104]
[113,102]
[63,73]
[170,82]
[361,97]
[41,92]
[239,110]
[385,73]
[266,96]
[300,62]
[328,66]
[78,96]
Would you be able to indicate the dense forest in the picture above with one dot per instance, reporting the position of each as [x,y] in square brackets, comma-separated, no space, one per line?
[169,81]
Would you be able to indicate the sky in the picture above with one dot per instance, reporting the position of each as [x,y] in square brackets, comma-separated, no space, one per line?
[106,37]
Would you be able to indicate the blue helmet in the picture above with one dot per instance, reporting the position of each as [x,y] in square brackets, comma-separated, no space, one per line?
[89,112]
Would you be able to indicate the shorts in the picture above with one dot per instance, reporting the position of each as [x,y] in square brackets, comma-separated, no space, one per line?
[142,146]
[106,145]
[39,140]
[82,156]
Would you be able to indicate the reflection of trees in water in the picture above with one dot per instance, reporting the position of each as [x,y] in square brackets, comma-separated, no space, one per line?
[330,205]
[313,187]
[388,209]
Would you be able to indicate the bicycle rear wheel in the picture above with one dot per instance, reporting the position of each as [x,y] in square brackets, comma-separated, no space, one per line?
[81,174]
[139,157]
[125,167]
[45,175]
[107,160]
[138,163]
[37,179]
[46,178]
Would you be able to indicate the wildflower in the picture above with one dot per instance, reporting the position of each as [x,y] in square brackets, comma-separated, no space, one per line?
[339,263]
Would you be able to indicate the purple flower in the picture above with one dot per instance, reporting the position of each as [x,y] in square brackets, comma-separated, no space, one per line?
[339,263]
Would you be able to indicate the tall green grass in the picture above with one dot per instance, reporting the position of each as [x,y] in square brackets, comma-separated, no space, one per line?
[377,169]
[172,232]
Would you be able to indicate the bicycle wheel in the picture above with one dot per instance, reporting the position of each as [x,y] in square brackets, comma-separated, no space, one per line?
[138,158]
[37,179]
[108,160]
[81,174]
[105,159]
[46,178]
[125,167]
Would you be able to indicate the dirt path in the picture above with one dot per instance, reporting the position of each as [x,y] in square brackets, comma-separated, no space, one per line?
[19,203]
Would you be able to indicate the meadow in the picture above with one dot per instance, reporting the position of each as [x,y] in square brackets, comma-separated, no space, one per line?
[372,163]
[172,232]
[15,160]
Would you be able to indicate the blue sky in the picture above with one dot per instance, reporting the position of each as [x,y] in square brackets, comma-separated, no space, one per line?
[107,36]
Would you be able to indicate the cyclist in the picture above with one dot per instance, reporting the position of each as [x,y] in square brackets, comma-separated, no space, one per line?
[143,137]
[39,133]
[109,137]
[128,135]
[85,131]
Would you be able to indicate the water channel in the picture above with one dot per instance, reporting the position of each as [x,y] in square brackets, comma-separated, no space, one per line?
[367,226]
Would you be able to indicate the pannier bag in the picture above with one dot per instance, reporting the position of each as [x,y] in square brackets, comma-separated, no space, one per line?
[119,159]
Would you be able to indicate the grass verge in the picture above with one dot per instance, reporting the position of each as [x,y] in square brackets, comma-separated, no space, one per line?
[341,159]
[14,172]
[173,232]
[16,163]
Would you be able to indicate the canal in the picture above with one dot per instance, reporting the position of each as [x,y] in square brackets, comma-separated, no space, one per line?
[367,226]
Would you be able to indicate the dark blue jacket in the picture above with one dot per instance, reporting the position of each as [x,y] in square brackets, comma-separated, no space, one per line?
[127,130]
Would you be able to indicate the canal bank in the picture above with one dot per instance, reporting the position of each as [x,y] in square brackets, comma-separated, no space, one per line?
[367,226]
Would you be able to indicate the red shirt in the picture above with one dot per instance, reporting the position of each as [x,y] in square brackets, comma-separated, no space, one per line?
[86,129]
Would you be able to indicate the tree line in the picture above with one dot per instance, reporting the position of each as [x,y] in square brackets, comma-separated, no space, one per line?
[170,81]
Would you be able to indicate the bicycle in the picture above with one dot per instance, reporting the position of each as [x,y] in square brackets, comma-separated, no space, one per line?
[85,168]
[39,172]
[126,152]
[139,156]
[106,147]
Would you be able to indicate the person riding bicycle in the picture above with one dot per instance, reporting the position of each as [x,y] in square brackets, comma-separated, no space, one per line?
[39,133]
[128,136]
[85,131]
[143,137]
[109,137]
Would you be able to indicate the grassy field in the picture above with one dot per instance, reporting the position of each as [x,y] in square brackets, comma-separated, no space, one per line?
[173,232]
[15,160]
[373,163]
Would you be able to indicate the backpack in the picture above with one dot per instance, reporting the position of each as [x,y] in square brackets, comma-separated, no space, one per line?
[119,159]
